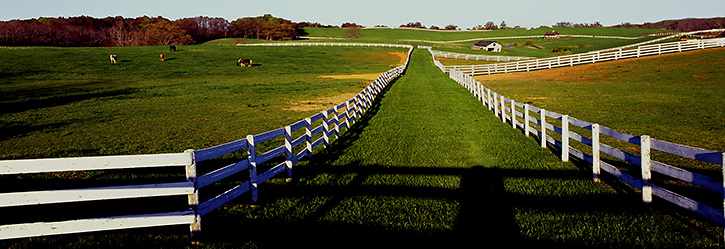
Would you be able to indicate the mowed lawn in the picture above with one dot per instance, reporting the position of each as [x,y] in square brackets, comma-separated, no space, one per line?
[61,102]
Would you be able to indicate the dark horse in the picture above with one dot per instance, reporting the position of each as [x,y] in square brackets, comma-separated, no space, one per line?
[172,48]
[242,62]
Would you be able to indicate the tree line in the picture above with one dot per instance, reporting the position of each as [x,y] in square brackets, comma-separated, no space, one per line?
[85,31]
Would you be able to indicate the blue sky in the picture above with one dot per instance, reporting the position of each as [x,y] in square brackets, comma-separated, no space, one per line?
[463,13]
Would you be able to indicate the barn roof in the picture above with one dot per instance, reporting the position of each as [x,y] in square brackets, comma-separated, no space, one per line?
[552,33]
[484,43]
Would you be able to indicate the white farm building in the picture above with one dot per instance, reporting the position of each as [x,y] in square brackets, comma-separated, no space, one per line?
[491,46]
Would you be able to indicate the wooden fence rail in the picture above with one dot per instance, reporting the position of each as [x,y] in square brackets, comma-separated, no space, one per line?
[585,58]
[519,115]
[332,122]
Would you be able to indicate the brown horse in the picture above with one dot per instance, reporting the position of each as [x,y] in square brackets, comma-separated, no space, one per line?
[242,62]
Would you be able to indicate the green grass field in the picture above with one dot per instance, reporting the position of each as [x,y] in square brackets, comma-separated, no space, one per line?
[540,48]
[61,102]
[417,169]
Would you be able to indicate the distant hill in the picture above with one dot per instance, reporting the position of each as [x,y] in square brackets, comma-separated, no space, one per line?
[689,24]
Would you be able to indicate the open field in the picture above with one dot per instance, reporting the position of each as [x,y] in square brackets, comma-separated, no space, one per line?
[421,170]
[538,48]
[61,102]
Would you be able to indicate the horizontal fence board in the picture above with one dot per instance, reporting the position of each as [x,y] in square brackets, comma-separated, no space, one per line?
[298,125]
[687,176]
[223,198]
[621,175]
[93,163]
[580,123]
[704,155]
[94,194]
[96,224]
[619,135]
[269,135]
[297,157]
[689,204]
[621,155]
[579,138]
[264,157]
[279,168]
[220,150]
[222,173]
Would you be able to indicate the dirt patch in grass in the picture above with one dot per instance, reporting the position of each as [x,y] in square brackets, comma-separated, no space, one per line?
[320,103]
[366,77]
[402,55]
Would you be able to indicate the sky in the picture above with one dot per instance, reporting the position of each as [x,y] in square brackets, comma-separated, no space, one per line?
[392,13]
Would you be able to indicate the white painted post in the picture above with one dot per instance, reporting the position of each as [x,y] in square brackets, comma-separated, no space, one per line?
[565,138]
[503,109]
[325,129]
[488,99]
[347,114]
[252,160]
[526,120]
[646,170]
[308,135]
[337,122]
[288,151]
[513,114]
[543,128]
[596,167]
[193,199]
[495,105]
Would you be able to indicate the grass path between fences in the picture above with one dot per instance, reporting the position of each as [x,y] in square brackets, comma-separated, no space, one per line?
[428,165]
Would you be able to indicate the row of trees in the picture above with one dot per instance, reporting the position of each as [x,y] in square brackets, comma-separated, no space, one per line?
[119,31]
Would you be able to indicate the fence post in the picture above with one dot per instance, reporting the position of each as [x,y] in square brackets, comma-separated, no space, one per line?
[503,109]
[337,122]
[325,129]
[347,114]
[543,128]
[288,151]
[596,167]
[495,105]
[488,98]
[646,170]
[252,159]
[513,114]
[723,174]
[193,198]
[526,119]
[565,138]
[308,134]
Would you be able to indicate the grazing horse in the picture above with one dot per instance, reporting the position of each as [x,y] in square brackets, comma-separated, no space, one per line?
[172,48]
[242,62]
[114,58]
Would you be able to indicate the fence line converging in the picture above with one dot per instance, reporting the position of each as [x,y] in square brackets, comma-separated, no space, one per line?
[331,122]
[533,121]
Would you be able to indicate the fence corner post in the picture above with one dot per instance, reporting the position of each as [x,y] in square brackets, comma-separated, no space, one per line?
[252,160]
[596,166]
[193,198]
[565,138]
[646,162]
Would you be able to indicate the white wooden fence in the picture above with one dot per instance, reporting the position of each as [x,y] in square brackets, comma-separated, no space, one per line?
[478,57]
[331,122]
[519,115]
[585,58]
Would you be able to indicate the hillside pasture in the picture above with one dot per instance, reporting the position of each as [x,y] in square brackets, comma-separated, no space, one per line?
[453,41]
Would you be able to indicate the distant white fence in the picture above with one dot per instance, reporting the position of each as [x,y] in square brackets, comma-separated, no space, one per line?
[585,58]
[478,57]
[331,122]
[519,115]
